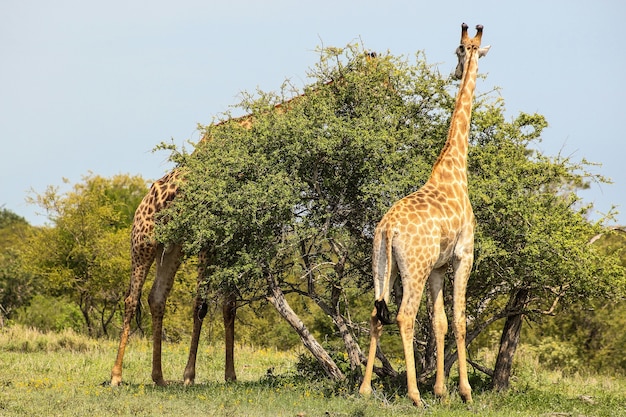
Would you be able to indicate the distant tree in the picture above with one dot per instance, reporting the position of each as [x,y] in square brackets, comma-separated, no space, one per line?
[10,219]
[83,254]
[16,285]
[289,203]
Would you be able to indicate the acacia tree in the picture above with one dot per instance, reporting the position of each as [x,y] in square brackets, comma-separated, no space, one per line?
[288,203]
[83,254]
[533,249]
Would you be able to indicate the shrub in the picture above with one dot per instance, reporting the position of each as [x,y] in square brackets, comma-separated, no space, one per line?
[50,314]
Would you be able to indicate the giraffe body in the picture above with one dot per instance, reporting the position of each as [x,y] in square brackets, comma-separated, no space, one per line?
[422,233]
[144,251]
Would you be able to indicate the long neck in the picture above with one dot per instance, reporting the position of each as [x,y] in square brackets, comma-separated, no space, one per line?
[451,166]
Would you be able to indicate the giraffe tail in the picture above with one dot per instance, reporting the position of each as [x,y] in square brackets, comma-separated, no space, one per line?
[382,311]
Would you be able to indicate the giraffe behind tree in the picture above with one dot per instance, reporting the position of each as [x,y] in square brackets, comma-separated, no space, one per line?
[422,233]
[144,250]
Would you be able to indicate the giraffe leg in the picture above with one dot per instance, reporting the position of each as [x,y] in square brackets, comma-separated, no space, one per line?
[413,282]
[406,320]
[461,275]
[189,375]
[167,265]
[376,329]
[440,327]
[199,312]
[137,280]
[229,310]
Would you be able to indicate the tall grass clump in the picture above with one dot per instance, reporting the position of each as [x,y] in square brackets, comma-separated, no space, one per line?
[18,338]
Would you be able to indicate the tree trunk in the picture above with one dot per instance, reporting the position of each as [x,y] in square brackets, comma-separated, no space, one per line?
[509,340]
[106,319]
[277,298]
[84,309]
[352,347]
[229,313]
[355,354]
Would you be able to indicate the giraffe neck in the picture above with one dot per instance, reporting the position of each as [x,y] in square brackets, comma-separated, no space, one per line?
[451,165]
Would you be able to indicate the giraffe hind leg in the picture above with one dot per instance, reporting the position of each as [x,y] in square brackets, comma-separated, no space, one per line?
[131,303]
[167,265]
[376,329]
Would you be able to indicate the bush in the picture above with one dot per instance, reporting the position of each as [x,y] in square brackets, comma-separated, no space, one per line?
[558,355]
[50,314]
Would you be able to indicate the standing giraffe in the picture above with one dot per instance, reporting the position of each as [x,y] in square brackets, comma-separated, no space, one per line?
[425,230]
[144,250]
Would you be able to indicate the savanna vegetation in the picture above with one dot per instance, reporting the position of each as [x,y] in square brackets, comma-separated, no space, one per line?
[66,374]
[287,208]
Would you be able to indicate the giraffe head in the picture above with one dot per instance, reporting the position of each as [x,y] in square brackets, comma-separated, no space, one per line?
[469,49]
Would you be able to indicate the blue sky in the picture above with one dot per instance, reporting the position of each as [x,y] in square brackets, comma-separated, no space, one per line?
[94,86]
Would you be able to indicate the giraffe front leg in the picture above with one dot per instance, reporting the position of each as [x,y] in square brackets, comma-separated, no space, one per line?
[199,312]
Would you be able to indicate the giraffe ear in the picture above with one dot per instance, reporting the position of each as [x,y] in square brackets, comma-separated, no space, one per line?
[483,51]
[458,72]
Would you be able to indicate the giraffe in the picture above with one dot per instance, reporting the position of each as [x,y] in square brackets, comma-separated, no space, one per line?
[145,249]
[422,233]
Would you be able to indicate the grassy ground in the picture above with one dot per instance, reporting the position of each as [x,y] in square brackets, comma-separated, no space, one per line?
[67,375]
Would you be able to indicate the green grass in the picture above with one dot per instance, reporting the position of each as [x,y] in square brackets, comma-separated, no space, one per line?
[67,375]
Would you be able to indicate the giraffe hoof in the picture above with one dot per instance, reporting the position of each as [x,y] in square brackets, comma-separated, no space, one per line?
[365,391]
[420,403]
[440,391]
[160,383]
[417,399]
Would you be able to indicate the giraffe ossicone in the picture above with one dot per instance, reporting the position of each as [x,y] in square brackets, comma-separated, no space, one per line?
[422,233]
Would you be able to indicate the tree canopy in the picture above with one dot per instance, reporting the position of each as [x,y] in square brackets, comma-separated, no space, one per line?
[291,194]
